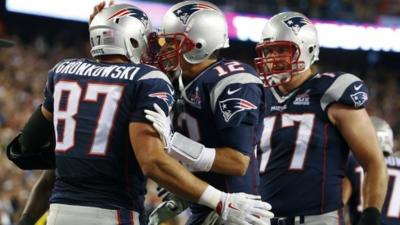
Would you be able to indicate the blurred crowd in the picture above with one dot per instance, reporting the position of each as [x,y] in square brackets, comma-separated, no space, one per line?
[344,10]
[23,73]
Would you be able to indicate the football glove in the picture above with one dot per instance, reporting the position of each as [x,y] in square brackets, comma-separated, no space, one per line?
[161,123]
[244,209]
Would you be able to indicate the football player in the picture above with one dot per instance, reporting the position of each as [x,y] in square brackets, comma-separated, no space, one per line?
[104,146]
[313,119]
[352,183]
[219,109]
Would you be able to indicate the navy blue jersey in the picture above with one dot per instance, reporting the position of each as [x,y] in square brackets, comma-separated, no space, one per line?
[391,208]
[303,155]
[224,107]
[93,105]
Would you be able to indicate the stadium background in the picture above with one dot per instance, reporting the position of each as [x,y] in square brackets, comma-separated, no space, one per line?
[42,41]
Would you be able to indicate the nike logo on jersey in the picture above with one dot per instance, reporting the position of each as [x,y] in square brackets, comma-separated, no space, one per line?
[230,205]
[357,87]
[230,92]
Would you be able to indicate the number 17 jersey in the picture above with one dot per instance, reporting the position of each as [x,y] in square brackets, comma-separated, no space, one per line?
[303,155]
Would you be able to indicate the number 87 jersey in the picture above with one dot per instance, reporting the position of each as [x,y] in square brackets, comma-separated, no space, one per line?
[92,105]
[302,154]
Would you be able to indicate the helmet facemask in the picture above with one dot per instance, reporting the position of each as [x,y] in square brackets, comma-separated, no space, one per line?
[172,46]
[277,62]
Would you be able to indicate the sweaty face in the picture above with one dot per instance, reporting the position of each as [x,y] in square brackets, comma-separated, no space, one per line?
[276,61]
[171,48]
[280,55]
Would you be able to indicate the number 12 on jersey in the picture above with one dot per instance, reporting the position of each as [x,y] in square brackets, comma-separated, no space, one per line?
[304,131]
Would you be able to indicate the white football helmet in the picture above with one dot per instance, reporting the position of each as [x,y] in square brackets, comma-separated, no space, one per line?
[194,29]
[384,133]
[120,30]
[291,31]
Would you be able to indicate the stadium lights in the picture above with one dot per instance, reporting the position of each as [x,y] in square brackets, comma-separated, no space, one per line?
[241,26]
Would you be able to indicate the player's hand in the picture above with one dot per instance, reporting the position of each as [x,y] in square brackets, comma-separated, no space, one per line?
[161,123]
[171,206]
[97,8]
[244,209]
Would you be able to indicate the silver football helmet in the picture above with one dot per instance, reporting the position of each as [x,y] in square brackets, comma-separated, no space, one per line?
[194,29]
[295,39]
[384,133]
[120,30]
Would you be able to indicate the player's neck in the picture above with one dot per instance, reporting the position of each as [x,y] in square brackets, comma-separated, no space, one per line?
[112,59]
[296,81]
[190,71]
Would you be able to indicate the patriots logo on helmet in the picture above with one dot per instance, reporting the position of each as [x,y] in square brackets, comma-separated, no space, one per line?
[138,14]
[184,12]
[165,96]
[231,106]
[296,23]
[359,98]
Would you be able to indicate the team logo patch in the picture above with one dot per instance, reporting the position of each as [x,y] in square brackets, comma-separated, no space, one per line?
[131,12]
[231,106]
[359,98]
[165,96]
[184,12]
[296,23]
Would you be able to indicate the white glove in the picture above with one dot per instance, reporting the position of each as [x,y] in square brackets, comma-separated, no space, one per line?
[191,153]
[161,123]
[244,209]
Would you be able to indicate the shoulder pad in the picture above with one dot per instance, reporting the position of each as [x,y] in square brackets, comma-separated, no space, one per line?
[239,78]
[346,89]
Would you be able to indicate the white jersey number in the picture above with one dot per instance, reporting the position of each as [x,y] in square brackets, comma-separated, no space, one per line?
[393,210]
[65,116]
[304,131]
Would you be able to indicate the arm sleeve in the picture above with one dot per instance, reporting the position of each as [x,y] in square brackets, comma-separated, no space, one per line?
[48,92]
[153,87]
[348,90]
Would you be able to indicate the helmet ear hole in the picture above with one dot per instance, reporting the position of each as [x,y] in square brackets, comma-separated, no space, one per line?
[134,43]
[310,49]
[199,45]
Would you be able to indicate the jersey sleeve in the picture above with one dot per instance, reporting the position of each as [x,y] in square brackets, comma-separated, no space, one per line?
[346,89]
[152,88]
[238,105]
[48,92]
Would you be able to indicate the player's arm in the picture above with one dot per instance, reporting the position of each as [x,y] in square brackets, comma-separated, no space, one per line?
[356,128]
[160,167]
[169,173]
[230,161]
[33,148]
[193,154]
[38,201]
[236,123]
